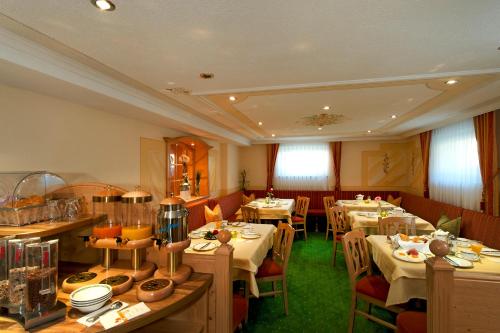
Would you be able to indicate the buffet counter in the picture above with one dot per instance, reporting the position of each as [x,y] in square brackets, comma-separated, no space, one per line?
[184,311]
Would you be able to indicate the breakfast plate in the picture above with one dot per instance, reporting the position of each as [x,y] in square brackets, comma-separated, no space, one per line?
[462,242]
[467,255]
[250,235]
[409,255]
[458,262]
[490,252]
[239,224]
[204,247]
[196,235]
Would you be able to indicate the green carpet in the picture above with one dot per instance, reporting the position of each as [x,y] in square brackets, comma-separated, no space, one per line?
[318,295]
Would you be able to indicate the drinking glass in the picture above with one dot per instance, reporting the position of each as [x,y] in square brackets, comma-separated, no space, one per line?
[71,209]
[54,213]
[476,247]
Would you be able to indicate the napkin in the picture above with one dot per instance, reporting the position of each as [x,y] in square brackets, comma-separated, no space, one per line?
[83,320]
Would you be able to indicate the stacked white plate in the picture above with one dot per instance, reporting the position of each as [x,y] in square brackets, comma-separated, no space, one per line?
[90,298]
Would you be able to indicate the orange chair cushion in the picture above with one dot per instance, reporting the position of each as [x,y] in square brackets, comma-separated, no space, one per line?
[297,219]
[374,286]
[412,322]
[395,202]
[212,215]
[269,268]
[339,238]
[246,200]
[240,309]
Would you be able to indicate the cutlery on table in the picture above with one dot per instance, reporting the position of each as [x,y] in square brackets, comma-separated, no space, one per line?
[204,246]
[111,307]
[451,261]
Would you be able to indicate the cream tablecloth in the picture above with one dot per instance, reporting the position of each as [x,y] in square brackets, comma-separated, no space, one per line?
[369,224]
[248,254]
[278,210]
[362,206]
[408,279]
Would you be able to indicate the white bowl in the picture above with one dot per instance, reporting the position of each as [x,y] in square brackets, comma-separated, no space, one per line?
[90,308]
[98,300]
[90,293]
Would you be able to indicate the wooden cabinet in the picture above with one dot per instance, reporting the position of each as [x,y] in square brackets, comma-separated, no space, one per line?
[187,155]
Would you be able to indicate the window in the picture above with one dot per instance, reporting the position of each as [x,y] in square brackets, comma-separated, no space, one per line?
[303,166]
[454,175]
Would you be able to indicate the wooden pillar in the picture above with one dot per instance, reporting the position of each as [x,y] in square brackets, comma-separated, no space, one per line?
[440,287]
[224,288]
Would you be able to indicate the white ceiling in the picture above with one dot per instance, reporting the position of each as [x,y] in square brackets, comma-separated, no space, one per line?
[264,47]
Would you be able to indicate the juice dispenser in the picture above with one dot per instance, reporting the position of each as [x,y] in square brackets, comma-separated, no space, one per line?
[17,272]
[40,294]
[172,231]
[108,202]
[137,215]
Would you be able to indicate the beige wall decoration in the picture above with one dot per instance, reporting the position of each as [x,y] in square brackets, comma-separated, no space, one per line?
[387,167]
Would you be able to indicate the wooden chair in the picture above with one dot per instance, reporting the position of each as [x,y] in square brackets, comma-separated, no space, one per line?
[390,226]
[328,202]
[274,269]
[250,214]
[372,289]
[301,207]
[338,218]
[457,301]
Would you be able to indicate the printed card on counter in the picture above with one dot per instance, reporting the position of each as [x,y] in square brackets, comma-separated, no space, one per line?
[111,319]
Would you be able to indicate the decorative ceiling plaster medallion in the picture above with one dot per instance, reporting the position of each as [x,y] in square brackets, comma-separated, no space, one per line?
[322,119]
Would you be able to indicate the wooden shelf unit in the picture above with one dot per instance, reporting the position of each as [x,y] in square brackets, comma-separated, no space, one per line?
[197,152]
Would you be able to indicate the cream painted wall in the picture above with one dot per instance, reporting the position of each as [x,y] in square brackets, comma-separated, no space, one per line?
[253,160]
[223,164]
[39,132]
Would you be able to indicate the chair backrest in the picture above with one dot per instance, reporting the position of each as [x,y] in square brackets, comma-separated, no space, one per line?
[283,240]
[301,206]
[460,301]
[338,218]
[328,202]
[391,225]
[250,214]
[356,255]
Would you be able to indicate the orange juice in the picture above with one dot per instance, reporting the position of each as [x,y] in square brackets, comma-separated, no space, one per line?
[476,247]
[137,232]
[107,231]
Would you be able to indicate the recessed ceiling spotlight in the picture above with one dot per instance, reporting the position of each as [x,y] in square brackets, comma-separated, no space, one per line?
[260,123]
[394,116]
[369,131]
[273,135]
[207,76]
[104,5]
[320,128]
[232,98]
[451,82]
[171,83]
[192,144]
[326,107]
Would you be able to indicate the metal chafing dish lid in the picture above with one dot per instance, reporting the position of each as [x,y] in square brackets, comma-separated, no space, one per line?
[137,196]
[107,195]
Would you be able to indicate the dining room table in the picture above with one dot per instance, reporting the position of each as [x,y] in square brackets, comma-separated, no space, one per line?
[407,277]
[250,241]
[364,205]
[277,209]
[368,222]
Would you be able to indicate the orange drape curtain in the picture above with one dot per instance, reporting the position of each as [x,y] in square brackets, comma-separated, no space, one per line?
[425,145]
[336,148]
[272,153]
[484,125]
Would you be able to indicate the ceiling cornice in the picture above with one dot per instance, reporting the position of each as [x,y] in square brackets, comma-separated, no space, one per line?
[23,51]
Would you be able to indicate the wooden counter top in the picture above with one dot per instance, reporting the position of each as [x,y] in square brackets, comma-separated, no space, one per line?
[45,229]
[184,294]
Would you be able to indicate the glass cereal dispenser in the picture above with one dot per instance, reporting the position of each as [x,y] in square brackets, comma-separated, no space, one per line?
[108,202]
[137,215]
[40,294]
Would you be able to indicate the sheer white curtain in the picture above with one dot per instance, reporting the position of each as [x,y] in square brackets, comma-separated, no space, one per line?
[454,175]
[303,166]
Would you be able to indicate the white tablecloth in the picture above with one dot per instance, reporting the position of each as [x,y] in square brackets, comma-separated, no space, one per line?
[248,254]
[408,279]
[277,210]
[369,224]
[363,206]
